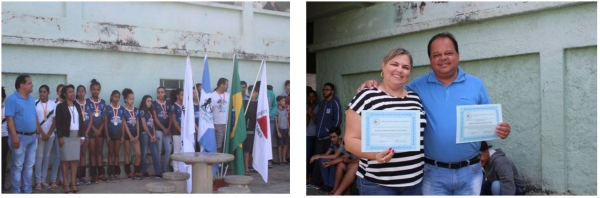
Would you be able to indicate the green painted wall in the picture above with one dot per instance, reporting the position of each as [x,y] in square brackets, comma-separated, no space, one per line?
[537,59]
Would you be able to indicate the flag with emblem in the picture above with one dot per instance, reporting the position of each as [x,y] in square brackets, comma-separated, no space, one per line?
[261,153]
[236,123]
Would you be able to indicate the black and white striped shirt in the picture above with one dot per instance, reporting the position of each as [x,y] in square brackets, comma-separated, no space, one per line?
[405,168]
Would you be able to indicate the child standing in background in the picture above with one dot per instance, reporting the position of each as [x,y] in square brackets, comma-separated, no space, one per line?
[283,130]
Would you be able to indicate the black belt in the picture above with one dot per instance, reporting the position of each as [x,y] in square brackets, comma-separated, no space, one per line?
[454,165]
[24,133]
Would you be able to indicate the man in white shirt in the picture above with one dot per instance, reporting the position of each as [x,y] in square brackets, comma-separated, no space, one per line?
[220,109]
[44,109]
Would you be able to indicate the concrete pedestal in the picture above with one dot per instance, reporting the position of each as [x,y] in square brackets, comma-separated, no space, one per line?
[202,180]
[179,179]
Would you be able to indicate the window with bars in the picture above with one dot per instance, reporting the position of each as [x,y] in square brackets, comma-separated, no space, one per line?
[171,84]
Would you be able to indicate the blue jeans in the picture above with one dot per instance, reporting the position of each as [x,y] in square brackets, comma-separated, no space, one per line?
[366,187]
[310,144]
[444,181]
[42,159]
[166,141]
[56,171]
[145,140]
[328,174]
[23,160]
[494,189]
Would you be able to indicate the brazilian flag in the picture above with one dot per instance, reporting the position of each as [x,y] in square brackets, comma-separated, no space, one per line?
[236,124]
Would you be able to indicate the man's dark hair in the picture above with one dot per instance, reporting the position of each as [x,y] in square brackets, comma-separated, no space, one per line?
[63,92]
[220,82]
[269,87]
[45,87]
[250,88]
[3,93]
[243,83]
[335,130]
[161,87]
[21,80]
[330,86]
[257,85]
[442,35]
[287,82]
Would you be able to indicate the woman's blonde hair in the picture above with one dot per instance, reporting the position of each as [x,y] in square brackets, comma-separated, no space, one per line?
[395,52]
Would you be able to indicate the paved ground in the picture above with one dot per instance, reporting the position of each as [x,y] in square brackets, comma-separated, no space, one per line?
[279,182]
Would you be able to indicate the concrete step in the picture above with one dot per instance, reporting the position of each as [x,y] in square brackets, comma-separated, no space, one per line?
[238,180]
[234,190]
[160,187]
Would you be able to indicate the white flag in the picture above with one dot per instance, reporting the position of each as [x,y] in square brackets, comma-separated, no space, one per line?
[261,153]
[187,121]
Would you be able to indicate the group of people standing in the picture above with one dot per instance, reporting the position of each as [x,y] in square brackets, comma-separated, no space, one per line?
[441,166]
[74,127]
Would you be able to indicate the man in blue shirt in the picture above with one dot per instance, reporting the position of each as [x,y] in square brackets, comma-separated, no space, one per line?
[450,168]
[21,119]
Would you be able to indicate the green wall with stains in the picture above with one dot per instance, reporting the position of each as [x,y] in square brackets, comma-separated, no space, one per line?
[135,44]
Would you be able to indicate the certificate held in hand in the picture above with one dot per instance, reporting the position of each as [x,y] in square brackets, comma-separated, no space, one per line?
[396,129]
[477,123]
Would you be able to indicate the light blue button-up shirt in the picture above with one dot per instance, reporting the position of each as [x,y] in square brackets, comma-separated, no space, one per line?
[22,110]
[440,104]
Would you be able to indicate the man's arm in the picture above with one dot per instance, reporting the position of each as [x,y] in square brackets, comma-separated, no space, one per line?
[336,113]
[332,156]
[335,161]
[318,156]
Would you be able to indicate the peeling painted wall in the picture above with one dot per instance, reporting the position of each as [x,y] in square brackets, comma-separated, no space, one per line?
[136,44]
[169,28]
[537,59]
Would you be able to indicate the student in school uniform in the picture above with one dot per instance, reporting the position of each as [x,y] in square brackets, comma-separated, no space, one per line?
[95,133]
[132,135]
[177,109]
[82,105]
[115,137]
[45,113]
[163,126]
[148,135]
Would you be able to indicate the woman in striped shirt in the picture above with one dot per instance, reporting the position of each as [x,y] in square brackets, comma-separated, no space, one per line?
[387,172]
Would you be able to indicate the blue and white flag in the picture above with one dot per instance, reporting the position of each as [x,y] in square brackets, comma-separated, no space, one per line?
[206,127]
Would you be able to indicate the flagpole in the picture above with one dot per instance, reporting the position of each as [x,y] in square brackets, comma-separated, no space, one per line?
[254,87]
[226,124]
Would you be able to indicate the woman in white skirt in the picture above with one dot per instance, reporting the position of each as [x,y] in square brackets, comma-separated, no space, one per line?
[70,132]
